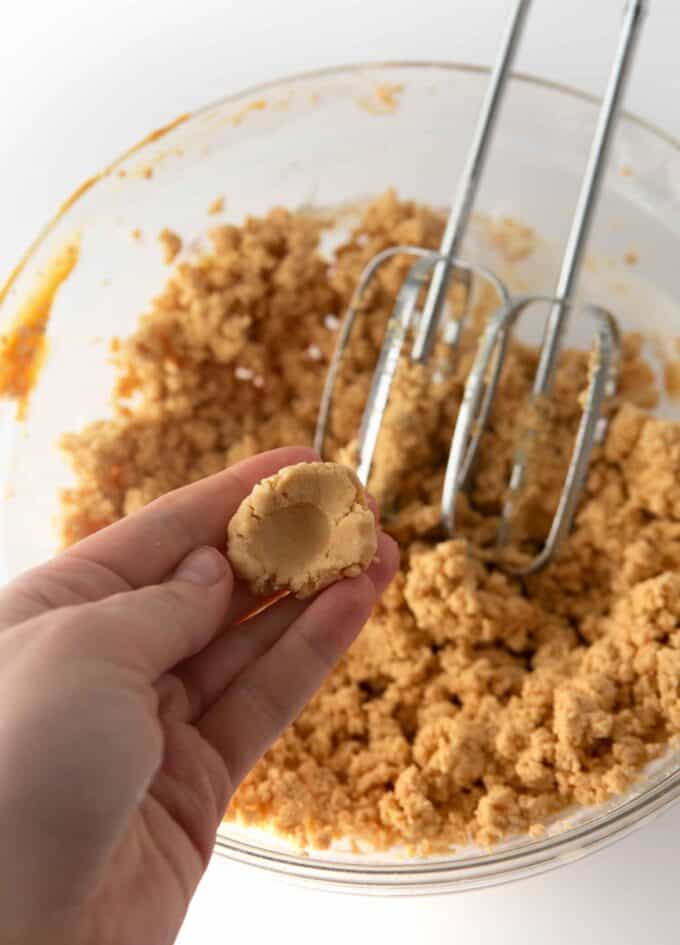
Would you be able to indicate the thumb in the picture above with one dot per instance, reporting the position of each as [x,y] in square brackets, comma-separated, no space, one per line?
[154,628]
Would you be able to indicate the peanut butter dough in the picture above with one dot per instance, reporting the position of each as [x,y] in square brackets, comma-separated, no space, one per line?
[301,529]
[171,243]
[474,704]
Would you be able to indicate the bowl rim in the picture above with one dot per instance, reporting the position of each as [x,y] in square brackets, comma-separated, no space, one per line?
[438,874]
[441,874]
[528,78]
[447,65]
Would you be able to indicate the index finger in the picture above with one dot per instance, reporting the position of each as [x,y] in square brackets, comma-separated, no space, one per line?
[145,547]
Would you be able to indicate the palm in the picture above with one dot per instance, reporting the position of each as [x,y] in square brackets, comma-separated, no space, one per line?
[165,848]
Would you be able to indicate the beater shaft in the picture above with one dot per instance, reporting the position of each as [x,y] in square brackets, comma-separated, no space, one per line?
[580,230]
[459,216]
[590,188]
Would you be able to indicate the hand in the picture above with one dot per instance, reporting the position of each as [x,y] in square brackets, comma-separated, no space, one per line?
[132,703]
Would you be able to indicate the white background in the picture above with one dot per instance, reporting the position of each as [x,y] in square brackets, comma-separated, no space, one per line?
[80,80]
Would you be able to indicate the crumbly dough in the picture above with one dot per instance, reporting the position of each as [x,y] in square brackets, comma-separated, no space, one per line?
[301,529]
[474,704]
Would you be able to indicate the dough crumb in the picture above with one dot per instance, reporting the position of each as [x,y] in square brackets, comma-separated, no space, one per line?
[513,240]
[217,206]
[384,101]
[671,379]
[171,243]
[301,529]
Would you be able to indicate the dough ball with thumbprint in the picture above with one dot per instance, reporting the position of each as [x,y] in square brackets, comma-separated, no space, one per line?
[301,529]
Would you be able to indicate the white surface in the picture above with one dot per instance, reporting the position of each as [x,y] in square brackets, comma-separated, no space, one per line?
[83,80]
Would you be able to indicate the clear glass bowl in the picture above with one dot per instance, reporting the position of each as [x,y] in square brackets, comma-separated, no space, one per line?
[321,140]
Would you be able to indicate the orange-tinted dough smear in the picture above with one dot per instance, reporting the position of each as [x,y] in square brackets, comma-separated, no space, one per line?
[23,348]
[80,191]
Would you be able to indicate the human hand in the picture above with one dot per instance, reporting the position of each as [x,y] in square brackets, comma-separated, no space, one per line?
[132,703]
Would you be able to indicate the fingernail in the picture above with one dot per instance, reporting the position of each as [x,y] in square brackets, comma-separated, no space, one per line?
[204,566]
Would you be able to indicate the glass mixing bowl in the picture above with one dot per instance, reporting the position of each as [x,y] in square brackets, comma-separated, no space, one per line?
[323,140]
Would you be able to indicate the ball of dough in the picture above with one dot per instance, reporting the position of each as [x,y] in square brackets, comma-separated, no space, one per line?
[301,529]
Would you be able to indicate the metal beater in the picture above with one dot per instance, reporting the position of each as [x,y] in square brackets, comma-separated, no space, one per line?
[445,265]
